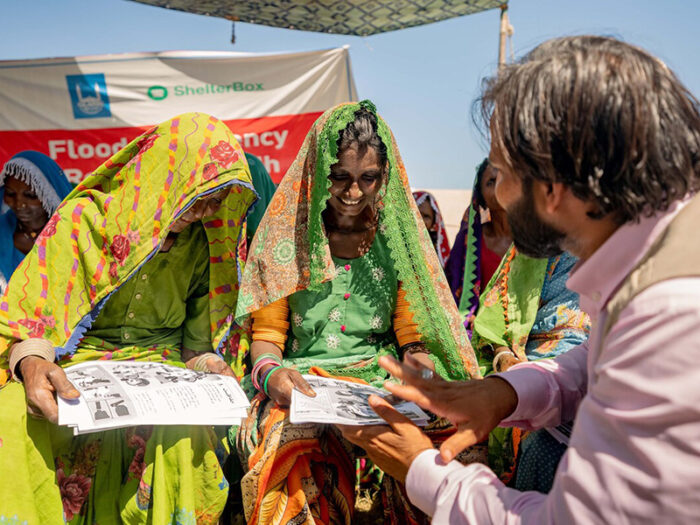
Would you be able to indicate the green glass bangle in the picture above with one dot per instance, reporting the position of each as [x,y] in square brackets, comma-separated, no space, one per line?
[268,355]
[267,378]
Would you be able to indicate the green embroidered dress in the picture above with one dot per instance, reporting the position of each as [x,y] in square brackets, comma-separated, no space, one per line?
[341,320]
[349,319]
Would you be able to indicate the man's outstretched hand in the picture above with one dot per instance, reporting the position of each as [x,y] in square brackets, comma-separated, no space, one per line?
[392,448]
[475,407]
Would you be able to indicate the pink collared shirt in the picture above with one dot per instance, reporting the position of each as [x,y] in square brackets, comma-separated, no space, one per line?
[634,454]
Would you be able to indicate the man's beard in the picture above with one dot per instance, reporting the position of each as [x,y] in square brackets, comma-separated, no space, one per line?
[532,236]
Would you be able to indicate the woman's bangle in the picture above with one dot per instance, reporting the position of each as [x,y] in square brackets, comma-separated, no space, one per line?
[415,348]
[261,381]
[268,375]
[34,347]
[499,356]
[259,364]
[200,361]
[268,355]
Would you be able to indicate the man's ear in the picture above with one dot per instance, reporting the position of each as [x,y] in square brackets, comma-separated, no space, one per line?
[551,196]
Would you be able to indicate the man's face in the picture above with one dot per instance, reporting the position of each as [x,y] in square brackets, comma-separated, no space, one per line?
[532,236]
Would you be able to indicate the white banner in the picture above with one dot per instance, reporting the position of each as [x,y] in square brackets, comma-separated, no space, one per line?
[81,110]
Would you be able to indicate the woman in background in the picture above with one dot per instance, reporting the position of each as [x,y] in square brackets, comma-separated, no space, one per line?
[429,210]
[32,186]
[483,239]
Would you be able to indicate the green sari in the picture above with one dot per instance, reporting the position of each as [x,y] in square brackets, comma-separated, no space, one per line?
[101,250]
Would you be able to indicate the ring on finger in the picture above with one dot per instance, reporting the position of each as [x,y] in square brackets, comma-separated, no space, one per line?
[427,374]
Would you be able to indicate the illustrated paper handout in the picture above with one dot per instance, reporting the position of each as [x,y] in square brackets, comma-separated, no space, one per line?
[345,403]
[116,394]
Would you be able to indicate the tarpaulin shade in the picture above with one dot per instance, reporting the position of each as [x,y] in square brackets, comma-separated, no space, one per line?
[347,17]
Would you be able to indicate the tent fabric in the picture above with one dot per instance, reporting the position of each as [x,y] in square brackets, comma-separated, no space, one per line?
[347,17]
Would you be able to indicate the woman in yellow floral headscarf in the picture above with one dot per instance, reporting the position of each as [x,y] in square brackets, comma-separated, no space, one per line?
[140,262]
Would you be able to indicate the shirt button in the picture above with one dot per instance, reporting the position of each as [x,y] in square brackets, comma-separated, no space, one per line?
[347,267]
[346,296]
[144,277]
[138,296]
[126,335]
[131,315]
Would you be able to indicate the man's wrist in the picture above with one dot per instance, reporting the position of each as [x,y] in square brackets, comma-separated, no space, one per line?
[412,457]
[423,480]
[505,394]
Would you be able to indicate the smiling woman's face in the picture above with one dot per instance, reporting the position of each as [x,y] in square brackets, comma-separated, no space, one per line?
[355,181]
[22,200]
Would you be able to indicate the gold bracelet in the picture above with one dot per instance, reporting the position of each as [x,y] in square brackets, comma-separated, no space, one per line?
[35,347]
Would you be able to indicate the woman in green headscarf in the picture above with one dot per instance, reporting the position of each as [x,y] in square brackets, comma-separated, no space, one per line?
[341,271]
[140,262]
[526,313]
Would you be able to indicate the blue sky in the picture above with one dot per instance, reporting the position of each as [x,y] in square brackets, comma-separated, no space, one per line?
[424,80]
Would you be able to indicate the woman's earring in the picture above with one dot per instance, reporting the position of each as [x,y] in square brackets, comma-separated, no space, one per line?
[485,215]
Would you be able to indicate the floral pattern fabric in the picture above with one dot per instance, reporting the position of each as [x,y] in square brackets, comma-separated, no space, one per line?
[117,218]
[527,308]
[134,475]
[107,230]
[335,321]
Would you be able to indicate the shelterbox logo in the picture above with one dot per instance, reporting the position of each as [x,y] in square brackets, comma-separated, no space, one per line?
[161,92]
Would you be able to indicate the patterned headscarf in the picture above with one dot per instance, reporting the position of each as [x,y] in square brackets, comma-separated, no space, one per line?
[290,251]
[463,267]
[51,186]
[117,218]
[442,243]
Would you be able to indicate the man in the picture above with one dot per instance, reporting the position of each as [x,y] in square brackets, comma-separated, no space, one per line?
[598,147]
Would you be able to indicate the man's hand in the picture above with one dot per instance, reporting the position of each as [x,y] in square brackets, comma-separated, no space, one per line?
[42,381]
[475,407]
[392,448]
[281,384]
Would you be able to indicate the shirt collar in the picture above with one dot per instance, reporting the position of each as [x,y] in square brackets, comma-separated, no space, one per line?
[600,275]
